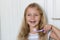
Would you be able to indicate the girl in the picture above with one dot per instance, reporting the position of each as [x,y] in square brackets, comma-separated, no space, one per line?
[34,18]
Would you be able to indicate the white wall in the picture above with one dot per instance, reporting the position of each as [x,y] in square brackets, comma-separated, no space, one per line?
[12,15]
[9,19]
[0,27]
[56,13]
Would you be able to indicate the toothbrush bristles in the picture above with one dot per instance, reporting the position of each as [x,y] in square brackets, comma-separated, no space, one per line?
[40,30]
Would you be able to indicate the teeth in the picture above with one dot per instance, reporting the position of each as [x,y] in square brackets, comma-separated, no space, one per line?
[32,21]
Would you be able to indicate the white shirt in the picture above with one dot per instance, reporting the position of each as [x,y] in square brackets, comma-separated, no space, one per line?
[35,36]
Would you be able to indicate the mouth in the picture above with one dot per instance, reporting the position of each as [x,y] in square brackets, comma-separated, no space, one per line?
[32,21]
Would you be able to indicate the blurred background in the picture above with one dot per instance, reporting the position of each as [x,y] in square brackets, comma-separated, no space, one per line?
[12,14]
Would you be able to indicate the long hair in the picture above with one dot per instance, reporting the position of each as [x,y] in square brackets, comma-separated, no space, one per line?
[23,34]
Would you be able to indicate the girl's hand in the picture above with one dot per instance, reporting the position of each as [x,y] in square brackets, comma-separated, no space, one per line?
[53,35]
[47,28]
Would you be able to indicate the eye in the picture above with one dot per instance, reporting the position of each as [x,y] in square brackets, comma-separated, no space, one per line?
[36,15]
[28,14]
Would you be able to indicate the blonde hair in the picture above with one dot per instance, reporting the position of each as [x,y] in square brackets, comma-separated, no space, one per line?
[23,34]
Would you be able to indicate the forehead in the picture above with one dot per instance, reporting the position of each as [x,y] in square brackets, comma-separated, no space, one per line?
[32,10]
[35,8]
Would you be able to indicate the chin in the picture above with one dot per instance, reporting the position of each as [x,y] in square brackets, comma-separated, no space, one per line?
[32,25]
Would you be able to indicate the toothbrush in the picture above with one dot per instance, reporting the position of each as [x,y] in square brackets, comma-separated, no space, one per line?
[38,30]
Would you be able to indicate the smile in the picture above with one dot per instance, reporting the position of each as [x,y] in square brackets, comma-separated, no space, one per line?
[32,21]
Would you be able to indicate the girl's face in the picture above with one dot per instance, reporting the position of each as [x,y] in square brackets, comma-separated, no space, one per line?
[32,17]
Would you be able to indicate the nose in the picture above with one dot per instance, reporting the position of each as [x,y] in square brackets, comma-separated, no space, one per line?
[32,17]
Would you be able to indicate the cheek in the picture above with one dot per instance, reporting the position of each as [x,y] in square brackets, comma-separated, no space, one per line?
[27,18]
[38,18]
